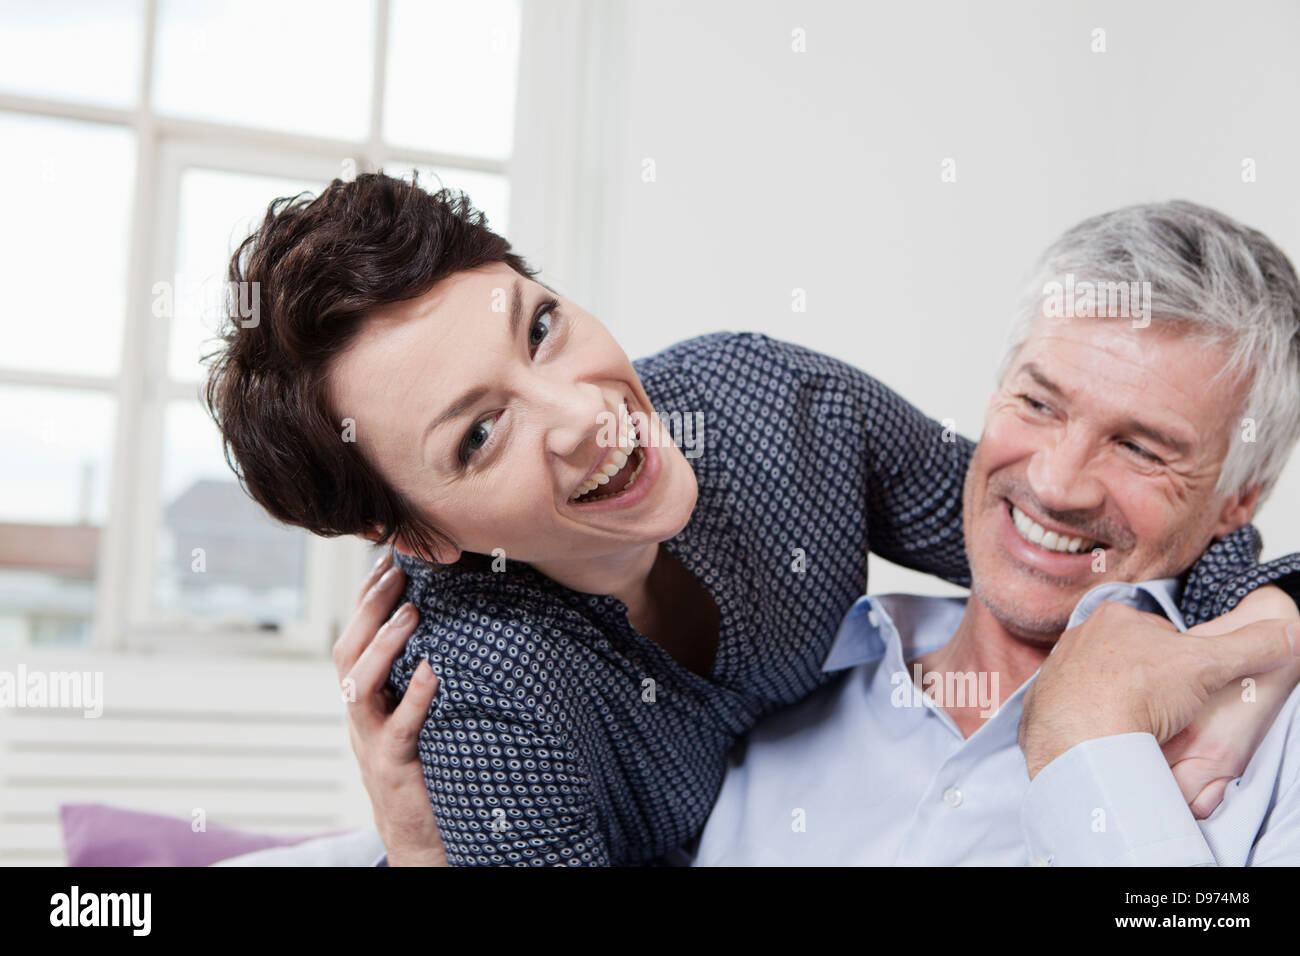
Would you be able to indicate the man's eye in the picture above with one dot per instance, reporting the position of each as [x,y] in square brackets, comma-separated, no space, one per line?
[1141,452]
[539,330]
[1034,404]
[476,438]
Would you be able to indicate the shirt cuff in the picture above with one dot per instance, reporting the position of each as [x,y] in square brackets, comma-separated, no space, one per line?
[1111,802]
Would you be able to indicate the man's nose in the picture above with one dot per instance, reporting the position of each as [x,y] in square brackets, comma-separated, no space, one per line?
[1061,475]
[570,414]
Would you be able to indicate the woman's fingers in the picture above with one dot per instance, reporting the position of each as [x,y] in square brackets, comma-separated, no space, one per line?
[1208,800]
[403,728]
[382,564]
[370,673]
[371,610]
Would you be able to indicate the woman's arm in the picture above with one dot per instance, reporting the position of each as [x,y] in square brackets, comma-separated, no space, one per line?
[1215,747]
[507,789]
[912,469]
[383,736]
[507,786]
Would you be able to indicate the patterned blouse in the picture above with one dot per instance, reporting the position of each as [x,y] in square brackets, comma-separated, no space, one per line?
[561,735]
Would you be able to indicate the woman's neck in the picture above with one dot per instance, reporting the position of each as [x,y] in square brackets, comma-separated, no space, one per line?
[622,574]
[665,602]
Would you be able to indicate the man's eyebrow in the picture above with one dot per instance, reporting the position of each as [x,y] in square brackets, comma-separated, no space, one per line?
[476,395]
[1037,374]
[1158,435]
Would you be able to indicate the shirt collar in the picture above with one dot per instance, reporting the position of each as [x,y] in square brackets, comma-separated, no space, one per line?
[920,622]
[923,623]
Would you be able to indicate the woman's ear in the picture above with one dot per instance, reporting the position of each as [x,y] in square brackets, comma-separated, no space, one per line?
[443,552]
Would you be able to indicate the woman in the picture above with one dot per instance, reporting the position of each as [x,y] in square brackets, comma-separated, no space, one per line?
[606,617]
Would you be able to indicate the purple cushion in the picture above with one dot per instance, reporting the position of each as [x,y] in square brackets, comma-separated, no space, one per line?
[95,834]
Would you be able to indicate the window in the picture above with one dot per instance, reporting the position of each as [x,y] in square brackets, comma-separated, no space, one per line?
[141,170]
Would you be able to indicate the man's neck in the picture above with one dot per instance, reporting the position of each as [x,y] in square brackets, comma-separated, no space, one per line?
[982,645]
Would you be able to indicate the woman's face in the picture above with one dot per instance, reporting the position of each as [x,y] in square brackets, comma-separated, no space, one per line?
[490,402]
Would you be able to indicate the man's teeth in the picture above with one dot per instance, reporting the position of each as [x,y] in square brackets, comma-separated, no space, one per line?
[615,463]
[1035,533]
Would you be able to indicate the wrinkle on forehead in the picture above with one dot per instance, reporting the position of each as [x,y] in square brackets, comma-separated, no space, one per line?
[1155,367]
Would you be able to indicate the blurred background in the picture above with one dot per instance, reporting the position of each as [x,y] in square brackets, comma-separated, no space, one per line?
[674,167]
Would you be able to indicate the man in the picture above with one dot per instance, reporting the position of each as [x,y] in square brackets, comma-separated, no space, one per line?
[1024,725]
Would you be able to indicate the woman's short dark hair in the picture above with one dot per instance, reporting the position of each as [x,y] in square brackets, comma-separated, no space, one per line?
[314,270]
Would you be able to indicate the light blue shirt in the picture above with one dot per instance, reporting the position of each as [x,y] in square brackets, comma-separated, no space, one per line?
[869,771]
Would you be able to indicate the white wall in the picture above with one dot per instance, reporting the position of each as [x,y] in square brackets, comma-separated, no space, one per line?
[821,170]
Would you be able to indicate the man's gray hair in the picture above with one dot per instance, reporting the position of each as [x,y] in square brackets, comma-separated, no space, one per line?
[1220,281]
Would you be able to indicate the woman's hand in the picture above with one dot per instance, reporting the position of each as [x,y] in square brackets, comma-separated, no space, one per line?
[383,736]
[1213,750]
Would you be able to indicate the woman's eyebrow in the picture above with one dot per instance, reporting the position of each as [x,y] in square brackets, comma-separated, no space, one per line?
[456,409]
[476,395]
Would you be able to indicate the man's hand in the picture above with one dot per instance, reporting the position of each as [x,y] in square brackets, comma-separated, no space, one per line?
[383,736]
[1124,671]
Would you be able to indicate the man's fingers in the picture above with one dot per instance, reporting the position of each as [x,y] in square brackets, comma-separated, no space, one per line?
[405,722]
[1253,649]
[374,606]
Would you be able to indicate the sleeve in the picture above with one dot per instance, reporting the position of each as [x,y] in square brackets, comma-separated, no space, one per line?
[506,785]
[1111,802]
[1278,843]
[1229,570]
[915,469]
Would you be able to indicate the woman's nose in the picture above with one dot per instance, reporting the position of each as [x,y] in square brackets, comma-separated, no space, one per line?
[571,416]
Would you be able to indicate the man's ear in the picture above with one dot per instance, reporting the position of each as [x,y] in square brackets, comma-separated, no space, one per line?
[1237,510]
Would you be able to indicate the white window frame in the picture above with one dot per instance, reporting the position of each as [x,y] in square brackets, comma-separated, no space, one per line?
[566,49]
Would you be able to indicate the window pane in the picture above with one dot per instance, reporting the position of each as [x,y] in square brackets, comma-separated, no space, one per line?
[64,311]
[86,50]
[219,554]
[53,500]
[217,212]
[488,191]
[300,66]
[451,75]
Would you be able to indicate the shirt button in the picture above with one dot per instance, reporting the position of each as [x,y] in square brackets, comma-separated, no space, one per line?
[952,797]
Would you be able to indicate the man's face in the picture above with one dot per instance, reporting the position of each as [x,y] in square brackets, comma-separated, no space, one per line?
[490,425]
[1100,454]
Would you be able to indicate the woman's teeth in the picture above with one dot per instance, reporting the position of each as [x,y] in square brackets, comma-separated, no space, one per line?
[1035,533]
[615,463]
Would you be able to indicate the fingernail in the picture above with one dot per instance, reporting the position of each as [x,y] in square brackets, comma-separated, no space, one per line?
[405,614]
[389,577]
[424,673]
[382,560]
[1293,635]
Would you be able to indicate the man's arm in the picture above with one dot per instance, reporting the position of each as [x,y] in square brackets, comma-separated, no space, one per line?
[1112,691]
[1112,802]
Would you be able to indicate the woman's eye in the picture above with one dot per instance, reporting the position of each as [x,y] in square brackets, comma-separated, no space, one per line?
[477,437]
[537,333]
